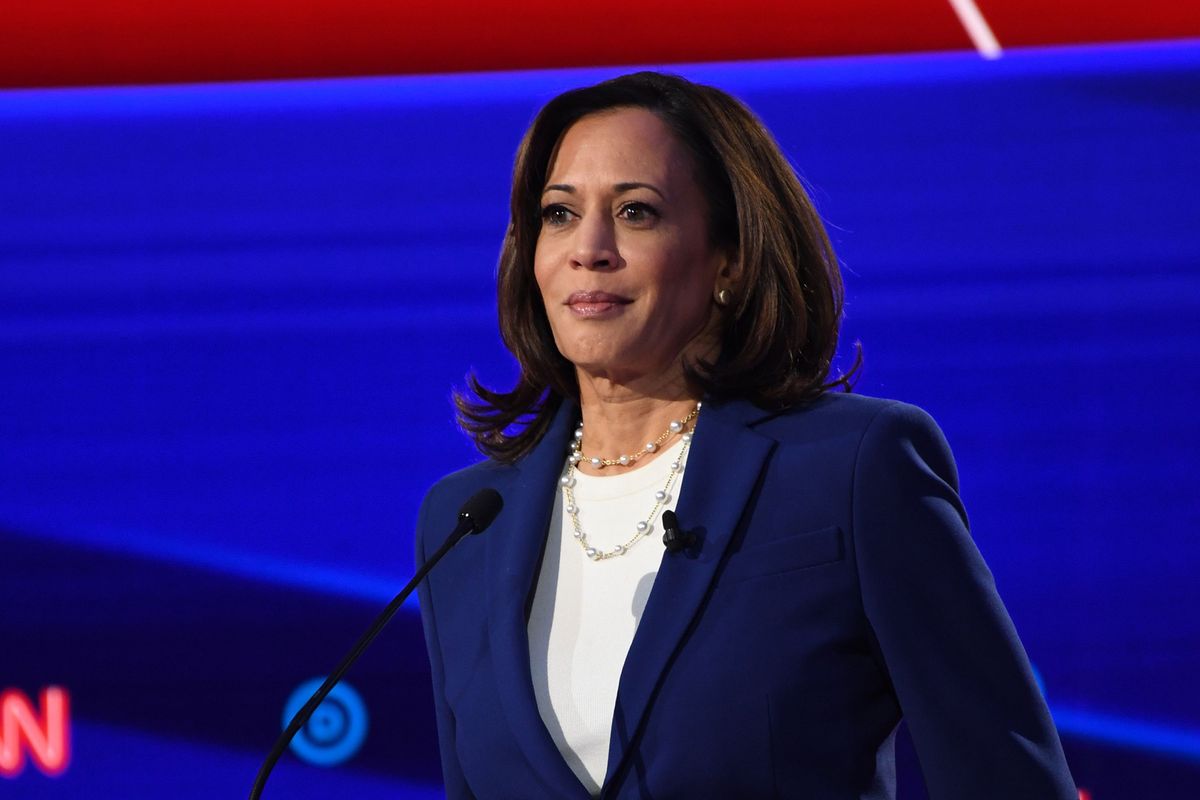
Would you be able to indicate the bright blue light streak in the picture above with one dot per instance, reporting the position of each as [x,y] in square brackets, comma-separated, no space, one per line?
[1128,733]
[258,567]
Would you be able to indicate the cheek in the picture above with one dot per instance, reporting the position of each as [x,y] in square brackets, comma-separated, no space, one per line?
[687,281]
[548,280]
[691,305]
[542,274]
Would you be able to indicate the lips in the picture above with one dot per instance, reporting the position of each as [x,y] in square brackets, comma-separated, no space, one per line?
[595,303]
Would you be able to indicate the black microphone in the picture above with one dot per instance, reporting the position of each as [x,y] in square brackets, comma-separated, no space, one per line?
[674,537]
[474,517]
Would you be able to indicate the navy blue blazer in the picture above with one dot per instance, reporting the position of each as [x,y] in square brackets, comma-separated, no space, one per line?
[833,588]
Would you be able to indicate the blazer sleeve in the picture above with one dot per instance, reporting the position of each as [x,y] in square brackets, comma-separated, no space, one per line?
[965,686]
[456,783]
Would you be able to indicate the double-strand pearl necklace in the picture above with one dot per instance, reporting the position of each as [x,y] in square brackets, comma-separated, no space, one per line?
[646,526]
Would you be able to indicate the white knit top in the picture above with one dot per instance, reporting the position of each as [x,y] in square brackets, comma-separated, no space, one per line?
[585,612]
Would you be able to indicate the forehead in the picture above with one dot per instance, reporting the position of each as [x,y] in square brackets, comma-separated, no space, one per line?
[623,144]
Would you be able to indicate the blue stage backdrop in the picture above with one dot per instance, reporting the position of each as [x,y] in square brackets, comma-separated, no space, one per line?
[231,317]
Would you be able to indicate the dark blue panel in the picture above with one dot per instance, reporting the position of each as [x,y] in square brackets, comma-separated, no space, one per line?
[231,317]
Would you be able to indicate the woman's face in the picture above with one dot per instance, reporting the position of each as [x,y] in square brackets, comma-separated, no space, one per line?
[623,259]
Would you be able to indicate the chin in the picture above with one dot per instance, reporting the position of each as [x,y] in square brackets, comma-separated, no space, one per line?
[588,352]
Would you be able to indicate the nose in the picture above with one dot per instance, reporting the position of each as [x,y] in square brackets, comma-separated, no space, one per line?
[594,245]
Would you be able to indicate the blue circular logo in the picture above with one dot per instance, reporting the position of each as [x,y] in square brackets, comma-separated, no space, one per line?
[336,730]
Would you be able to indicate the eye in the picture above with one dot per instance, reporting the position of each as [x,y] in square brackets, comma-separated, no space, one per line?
[555,215]
[638,213]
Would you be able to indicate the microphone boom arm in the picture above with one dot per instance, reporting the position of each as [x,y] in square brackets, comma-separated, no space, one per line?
[476,514]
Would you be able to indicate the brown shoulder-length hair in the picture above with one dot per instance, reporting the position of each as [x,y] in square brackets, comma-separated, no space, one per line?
[780,333]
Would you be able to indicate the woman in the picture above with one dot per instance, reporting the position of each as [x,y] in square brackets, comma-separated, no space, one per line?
[673,303]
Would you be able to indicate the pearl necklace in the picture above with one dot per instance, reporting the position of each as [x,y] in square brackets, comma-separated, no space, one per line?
[644,527]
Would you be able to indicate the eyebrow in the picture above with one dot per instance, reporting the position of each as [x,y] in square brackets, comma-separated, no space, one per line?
[619,187]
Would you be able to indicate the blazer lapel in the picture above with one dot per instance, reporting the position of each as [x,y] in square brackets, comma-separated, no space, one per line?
[514,553]
[723,468]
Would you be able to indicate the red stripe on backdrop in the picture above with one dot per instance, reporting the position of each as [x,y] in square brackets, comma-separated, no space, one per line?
[81,42]
[1018,23]
[72,42]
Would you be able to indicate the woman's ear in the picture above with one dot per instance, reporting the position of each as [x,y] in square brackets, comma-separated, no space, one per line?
[728,280]
[731,271]
[730,275]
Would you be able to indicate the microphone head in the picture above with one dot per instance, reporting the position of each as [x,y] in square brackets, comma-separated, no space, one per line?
[674,537]
[481,509]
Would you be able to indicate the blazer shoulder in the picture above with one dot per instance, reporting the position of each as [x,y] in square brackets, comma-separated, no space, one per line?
[475,475]
[846,415]
[445,497]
